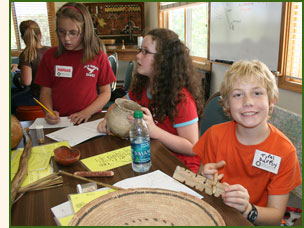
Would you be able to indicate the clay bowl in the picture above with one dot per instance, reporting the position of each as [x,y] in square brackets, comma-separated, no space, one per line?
[118,121]
[66,156]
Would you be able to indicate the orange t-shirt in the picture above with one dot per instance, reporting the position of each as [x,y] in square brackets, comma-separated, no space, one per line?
[220,143]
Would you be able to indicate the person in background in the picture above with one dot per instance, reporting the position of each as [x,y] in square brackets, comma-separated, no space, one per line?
[69,74]
[29,62]
[256,161]
[168,88]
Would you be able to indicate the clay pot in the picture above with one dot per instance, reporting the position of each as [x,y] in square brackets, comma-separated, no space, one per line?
[66,156]
[118,121]
[16,132]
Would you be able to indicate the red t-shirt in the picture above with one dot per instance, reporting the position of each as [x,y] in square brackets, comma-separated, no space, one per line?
[219,142]
[186,115]
[73,83]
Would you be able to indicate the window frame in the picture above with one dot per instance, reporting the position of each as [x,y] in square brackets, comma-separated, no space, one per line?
[52,27]
[285,82]
[165,24]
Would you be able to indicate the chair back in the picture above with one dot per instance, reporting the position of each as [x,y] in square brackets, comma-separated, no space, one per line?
[129,74]
[114,63]
[113,59]
[213,113]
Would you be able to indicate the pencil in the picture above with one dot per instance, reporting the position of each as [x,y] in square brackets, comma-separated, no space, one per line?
[44,107]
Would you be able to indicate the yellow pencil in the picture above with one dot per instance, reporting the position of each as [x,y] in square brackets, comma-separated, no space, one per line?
[44,107]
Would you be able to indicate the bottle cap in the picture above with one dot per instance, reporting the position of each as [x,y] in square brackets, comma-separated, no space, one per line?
[138,114]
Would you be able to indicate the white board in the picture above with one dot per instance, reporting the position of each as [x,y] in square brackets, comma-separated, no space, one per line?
[245,30]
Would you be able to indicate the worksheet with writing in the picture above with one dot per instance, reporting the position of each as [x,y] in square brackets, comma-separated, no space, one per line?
[77,134]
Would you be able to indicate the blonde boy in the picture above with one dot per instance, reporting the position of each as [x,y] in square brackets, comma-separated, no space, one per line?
[257,162]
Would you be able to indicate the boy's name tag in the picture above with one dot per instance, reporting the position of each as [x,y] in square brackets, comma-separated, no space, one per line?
[266,161]
[63,71]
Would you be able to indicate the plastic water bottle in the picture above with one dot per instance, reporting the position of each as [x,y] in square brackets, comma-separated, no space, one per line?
[140,144]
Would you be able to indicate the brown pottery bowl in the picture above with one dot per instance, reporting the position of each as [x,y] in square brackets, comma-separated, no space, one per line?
[66,156]
[118,121]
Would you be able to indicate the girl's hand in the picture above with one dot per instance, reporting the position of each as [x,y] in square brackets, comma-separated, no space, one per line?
[150,122]
[79,117]
[236,196]
[208,170]
[52,119]
[102,127]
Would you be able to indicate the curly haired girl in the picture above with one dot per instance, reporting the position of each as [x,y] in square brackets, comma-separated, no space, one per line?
[168,88]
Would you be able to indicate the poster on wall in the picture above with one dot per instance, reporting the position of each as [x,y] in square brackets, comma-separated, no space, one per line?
[117,18]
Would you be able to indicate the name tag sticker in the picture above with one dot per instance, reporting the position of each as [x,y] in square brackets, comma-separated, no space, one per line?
[266,161]
[63,71]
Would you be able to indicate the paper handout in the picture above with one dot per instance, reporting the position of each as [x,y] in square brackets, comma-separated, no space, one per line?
[77,134]
[64,122]
[38,162]
[109,160]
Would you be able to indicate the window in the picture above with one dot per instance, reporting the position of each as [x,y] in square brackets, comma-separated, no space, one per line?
[41,12]
[290,65]
[190,22]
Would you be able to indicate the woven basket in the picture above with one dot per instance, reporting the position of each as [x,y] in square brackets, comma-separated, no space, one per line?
[147,207]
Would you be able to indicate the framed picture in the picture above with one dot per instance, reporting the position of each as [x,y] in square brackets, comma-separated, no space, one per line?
[117,18]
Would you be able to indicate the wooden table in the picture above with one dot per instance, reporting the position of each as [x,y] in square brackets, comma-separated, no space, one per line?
[34,208]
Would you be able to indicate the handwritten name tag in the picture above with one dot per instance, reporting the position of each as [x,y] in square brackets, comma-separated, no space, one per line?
[266,161]
[63,71]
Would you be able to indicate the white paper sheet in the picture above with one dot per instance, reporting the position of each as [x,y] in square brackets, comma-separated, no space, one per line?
[62,210]
[156,179]
[64,122]
[77,134]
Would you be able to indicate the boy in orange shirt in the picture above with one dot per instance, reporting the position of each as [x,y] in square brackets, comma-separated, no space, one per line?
[257,162]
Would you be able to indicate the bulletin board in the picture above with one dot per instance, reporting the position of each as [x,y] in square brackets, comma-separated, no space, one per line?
[117,18]
[245,30]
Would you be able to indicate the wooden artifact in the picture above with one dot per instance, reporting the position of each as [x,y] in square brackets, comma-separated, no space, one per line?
[211,187]
[106,173]
[89,180]
[22,170]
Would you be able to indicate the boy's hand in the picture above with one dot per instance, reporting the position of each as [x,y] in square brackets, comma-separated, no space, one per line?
[210,169]
[236,196]
[50,119]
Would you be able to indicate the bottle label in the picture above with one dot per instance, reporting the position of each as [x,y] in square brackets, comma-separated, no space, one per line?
[141,152]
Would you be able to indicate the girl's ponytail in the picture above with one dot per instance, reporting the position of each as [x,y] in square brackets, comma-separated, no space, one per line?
[31,34]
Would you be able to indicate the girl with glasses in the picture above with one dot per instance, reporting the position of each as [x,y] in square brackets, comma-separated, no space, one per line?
[168,88]
[70,73]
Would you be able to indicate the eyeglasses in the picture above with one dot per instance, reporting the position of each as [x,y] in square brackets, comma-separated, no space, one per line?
[144,51]
[71,34]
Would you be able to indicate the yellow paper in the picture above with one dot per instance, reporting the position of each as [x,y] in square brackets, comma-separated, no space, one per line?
[36,175]
[64,221]
[38,162]
[50,147]
[16,154]
[81,199]
[109,160]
